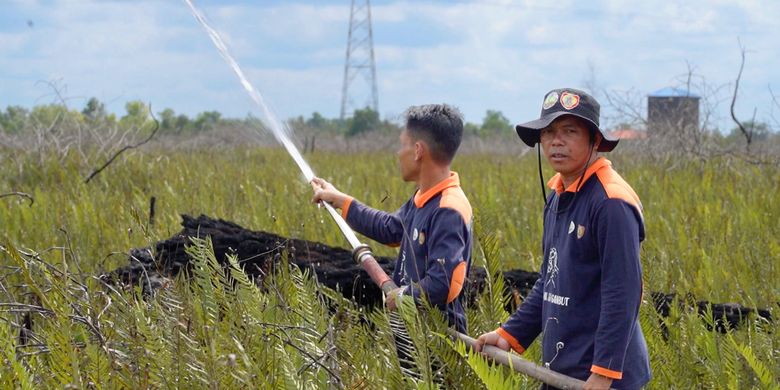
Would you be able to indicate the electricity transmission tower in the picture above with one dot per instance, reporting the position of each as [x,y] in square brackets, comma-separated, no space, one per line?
[360,57]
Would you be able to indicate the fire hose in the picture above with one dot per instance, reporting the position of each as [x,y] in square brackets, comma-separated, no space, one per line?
[362,255]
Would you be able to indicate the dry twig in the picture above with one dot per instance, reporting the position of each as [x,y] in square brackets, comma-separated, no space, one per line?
[20,194]
[127,147]
[747,133]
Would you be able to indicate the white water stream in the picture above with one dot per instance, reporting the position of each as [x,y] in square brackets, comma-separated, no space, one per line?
[279,129]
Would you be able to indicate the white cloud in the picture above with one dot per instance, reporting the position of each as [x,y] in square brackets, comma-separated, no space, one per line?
[491,54]
[12,42]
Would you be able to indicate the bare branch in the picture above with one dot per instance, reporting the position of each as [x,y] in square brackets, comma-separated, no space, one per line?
[25,307]
[127,147]
[748,134]
[315,361]
[628,106]
[20,194]
[56,90]
[776,104]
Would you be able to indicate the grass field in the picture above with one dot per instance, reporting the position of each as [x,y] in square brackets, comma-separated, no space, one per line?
[712,231]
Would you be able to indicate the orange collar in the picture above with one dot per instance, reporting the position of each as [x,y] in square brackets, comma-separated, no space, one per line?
[556,183]
[421,199]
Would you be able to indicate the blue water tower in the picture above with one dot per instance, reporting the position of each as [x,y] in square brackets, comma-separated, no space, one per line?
[672,110]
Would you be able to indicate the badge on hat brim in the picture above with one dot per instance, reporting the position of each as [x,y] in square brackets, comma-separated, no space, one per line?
[569,100]
[550,100]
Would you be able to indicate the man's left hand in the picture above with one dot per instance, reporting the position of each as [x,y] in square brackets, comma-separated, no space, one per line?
[597,382]
[392,298]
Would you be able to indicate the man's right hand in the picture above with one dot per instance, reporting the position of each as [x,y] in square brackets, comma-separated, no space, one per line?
[326,192]
[491,338]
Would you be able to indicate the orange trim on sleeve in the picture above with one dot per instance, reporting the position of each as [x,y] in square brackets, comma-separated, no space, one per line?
[421,199]
[345,207]
[606,372]
[512,341]
[394,245]
[456,284]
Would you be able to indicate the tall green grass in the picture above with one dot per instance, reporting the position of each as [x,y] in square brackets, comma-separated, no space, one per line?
[712,231]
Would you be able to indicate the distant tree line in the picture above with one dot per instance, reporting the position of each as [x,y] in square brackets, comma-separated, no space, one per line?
[14,120]
[367,120]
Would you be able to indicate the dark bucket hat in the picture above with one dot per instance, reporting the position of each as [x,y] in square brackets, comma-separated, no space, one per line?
[566,101]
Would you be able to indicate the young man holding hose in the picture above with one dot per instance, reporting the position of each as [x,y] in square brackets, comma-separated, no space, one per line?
[586,301]
[434,227]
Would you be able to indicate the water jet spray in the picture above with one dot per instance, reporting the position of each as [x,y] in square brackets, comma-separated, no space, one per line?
[361,253]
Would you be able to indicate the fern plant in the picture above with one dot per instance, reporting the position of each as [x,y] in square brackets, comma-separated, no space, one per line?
[490,306]
[217,328]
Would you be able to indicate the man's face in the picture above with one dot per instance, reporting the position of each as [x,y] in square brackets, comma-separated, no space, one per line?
[566,144]
[407,152]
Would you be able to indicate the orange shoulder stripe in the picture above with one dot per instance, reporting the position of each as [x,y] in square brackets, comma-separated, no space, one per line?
[617,188]
[455,199]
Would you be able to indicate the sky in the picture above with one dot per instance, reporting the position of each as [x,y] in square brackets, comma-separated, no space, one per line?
[475,55]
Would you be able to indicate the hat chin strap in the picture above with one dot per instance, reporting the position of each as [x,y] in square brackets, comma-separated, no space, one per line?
[541,178]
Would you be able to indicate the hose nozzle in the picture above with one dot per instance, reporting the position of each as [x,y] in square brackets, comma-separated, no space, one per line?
[362,255]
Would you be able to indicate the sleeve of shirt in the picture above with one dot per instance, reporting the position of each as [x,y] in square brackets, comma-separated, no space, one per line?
[525,324]
[618,234]
[446,267]
[383,227]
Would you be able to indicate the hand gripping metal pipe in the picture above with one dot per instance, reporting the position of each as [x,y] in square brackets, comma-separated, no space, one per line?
[363,256]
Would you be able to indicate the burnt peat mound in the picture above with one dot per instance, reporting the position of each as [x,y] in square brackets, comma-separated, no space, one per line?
[259,252]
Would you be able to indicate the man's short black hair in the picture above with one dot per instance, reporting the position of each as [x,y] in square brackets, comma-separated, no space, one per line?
[439,125]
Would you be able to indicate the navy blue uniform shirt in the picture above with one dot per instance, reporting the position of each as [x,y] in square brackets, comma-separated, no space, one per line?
[586,301]
[433,230]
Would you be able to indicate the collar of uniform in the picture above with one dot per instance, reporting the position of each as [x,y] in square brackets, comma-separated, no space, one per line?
[556,183]
[421,199]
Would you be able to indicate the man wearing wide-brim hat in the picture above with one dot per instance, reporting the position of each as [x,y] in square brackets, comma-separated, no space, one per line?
[586,301]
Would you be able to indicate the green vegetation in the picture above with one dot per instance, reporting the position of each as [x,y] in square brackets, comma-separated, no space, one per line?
[18,120]
[712,232]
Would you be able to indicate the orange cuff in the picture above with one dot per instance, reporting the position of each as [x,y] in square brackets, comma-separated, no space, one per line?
[606,372]
[512,341]
[345,207]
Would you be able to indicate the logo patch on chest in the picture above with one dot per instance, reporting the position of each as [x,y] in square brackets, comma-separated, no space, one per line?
[580,231]
[418,236]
